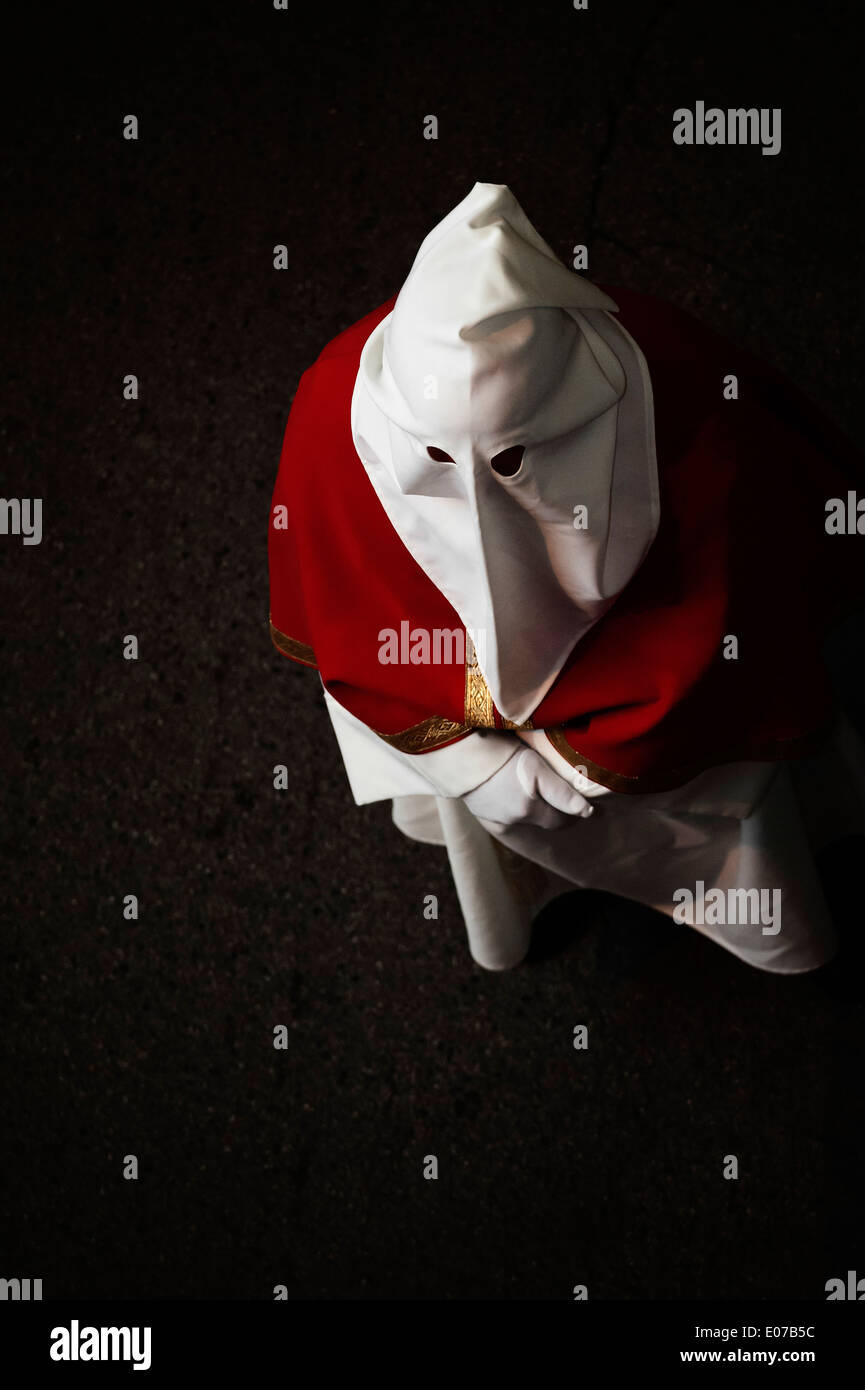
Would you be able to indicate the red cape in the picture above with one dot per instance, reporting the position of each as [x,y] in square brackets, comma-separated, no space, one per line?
[647,699]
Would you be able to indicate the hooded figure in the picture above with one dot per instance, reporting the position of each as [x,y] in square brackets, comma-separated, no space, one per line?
[624,557]
[497,398]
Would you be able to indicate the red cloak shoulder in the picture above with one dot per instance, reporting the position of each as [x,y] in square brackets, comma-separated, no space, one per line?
[652,695]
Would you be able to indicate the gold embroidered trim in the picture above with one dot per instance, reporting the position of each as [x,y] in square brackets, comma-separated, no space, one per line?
[616,781]
[430,733]
[675,777]
[479,713]
[298,651]
[479,702]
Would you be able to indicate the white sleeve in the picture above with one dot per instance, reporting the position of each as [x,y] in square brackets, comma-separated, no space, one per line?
[377,771]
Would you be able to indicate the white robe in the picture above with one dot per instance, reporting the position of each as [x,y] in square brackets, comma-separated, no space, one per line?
[741,826]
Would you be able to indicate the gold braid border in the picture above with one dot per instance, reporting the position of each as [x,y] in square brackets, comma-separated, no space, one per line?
[298,651]
[479,707]
[480,714]
[774,750]
[430,733]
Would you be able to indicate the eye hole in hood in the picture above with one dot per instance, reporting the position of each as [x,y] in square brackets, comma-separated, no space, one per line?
[509,461]
[439,455]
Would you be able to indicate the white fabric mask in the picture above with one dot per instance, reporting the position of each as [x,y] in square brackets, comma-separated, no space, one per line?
[494,345]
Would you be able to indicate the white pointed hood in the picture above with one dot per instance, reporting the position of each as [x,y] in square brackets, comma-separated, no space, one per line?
[492,344]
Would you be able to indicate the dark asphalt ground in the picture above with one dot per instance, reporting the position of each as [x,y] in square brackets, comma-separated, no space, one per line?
[257,908]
